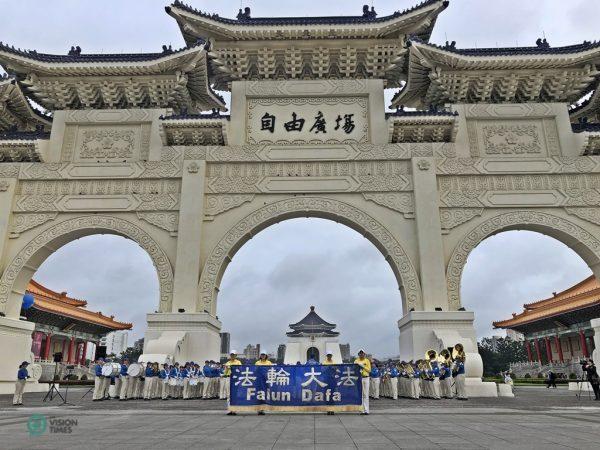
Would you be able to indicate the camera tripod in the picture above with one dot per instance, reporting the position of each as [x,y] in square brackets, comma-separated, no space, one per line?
[584,379]
[53,390]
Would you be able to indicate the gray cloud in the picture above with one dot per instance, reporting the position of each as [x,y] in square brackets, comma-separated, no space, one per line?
[327,264]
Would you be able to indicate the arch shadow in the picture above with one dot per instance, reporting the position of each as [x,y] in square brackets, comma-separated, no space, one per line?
[323,208]
[21,269]
[586,245]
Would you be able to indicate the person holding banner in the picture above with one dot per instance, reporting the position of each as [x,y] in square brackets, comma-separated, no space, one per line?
[329,362]
[263,361]
[224,382]
[365,370]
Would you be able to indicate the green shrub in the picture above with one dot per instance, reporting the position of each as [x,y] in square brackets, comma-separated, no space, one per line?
[572,376]
[527,375]
[540,375]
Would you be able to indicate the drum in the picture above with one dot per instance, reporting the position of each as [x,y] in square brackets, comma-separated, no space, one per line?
[179,381]
[194,382]
[35,371]
[135,370]
[173,382]
[111,369]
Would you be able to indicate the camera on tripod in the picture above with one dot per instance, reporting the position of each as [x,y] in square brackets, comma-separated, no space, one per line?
[57,357]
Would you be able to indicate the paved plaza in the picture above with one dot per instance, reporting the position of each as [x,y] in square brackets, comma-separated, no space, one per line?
[536,418]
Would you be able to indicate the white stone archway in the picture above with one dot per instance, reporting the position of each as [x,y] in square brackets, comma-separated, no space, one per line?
[19,271]
[585,244]
[321,207]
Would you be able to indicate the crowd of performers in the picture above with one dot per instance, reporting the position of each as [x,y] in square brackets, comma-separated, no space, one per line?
[435,376]
[150,381]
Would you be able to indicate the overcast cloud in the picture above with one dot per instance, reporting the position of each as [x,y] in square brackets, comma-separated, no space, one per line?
[278,274]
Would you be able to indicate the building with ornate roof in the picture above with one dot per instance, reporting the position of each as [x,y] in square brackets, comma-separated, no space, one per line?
[557,331]
[64,325]
[312,338]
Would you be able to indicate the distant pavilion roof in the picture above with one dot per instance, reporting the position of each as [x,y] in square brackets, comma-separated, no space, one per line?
[312,324]
[53,308]
[576,304]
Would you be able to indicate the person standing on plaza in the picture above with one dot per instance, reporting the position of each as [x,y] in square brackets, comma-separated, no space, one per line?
[375,381]
[329,362]
[394,375]
[365,370]
[121,381]
[148,381]
[22,376]
[592,376]
[163,378]
[263,360]
[550,379]
[98,381]
[224,381]
[459,375]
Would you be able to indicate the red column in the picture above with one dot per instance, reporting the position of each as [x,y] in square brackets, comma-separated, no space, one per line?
[84,352]
[559,348]
[69,358]
[528,348]
[583,344]
[537,350]
[548,349]
[77,353]
[46,353]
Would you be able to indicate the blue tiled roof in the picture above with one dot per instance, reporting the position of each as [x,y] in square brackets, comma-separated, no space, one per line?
[326,20]
[513,51]
[83,58]
[24,135]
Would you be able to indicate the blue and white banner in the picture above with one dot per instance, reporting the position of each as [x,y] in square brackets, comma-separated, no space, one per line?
[296,388]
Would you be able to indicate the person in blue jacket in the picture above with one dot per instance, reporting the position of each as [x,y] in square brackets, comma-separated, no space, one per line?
[394,374]
[98,381]
[149,382]
[173,374]
[122,381]
[375,381]
[163,378]
[22,376]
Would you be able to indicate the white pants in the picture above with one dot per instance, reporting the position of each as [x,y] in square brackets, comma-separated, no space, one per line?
[446,387]
[105,387]
[97,388]
[164,389]
[459,382]
[394,387]
[19,388]
[125,380]
[224,388]
[366,382]
[186,388]
[148,387]
[415,387]
[375,382]
[118,382]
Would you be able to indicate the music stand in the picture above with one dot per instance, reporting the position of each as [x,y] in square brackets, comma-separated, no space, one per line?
[53,390]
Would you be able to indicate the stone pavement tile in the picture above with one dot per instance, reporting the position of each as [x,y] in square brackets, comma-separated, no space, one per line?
[333,438]
[293,447]
[292,439]
[370,437]
[376,446]
[334,446]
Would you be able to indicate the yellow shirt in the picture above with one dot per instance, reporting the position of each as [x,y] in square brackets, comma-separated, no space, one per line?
[263,363]
[229,363]
[328,363]
[365,365]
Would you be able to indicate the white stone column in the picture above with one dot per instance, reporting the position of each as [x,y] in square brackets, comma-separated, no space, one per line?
[429,235]
[596,327]
[189,237]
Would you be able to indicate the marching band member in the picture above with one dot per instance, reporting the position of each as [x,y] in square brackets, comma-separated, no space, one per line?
[459,356]
[197,390]
[415,380]
[445,374]
[207,372]
[22,376]
[98,381]
[263,361]
[328,362]
[433,373]
[185,375]
[148,382]
[232,361]
[394,377]
[403,382]
[163,378]
[375,381]
[138,386]
[173,375]
[121,381]
[365,371]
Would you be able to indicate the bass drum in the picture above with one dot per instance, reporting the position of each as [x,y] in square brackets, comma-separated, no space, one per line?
[35,371]
[135,370]
[111,369]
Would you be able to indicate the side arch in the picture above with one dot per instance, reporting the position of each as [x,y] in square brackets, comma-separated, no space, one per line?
[324,208]
[19,271]
[586,245]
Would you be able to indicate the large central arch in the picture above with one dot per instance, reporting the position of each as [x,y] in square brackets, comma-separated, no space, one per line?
[320,207]
[18,273]
[586,245]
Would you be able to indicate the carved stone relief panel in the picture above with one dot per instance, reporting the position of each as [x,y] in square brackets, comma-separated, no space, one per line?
[114,143]
[509,137]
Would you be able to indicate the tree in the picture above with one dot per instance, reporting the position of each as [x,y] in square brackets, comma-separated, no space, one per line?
[131,353]
[498,354]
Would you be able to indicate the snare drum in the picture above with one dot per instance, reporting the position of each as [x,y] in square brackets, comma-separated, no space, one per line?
[173,382]
[194,382]
[135,370]
[111,369]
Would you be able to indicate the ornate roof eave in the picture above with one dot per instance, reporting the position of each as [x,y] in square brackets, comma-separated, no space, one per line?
[194,129]
[590,108]
[428,63]
[91,77]
[311,334]
[15,109]
[422,126]
[418,20]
